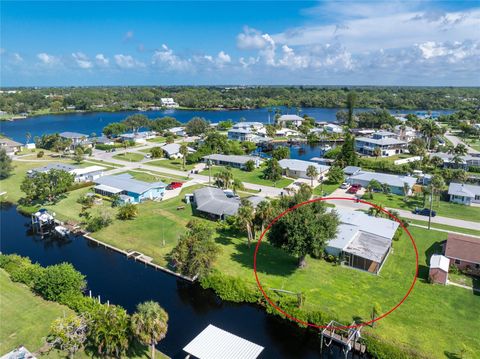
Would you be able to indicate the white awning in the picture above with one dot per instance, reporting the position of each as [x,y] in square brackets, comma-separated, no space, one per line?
[215,343]
[108,189]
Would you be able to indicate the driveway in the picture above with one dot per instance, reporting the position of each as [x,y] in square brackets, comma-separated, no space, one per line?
[455,141]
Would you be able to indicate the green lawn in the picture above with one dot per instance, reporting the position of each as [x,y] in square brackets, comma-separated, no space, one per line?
[26,318]
[157,140]
[326,188]
[171,164]
[129,156]
[444,209]
[155,176]
[103,163]
[255,177]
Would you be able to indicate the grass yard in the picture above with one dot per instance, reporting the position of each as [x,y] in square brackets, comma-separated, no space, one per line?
[129,157]
[26,318]
[157,140]
[155,176]
[109,165]
[171,164]
[444,209]
[326,188]
[474,143]
[255,177]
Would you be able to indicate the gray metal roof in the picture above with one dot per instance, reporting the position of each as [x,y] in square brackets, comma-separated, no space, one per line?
[369,246]
[54,166]
[174,148]
[391,180]
[215,343]
[214,201]
[127,183]
[290,118]
[299,165]
[72,135]
[350,170]
[232,158]
[464,190]
[9,143]
[381,142]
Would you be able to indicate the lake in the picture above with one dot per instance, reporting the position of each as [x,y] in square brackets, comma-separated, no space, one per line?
[94,122]
[190,308]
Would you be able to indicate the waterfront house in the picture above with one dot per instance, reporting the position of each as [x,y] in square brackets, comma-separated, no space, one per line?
[11,147]
[138,137]
[104,140]
[352,170]
[129,189]
[323,161]
[215,343]
[286,132]
[438,272]
[168,102]
[395,182]
[172,150]
[215,203]
[232,160]
[405,133]
[362,241]
[332,128]
[254,126]
[386,141]
[293,120]
[463,252]
[464,193]
[298,168]
[452,161]
[78,139]
[178,131]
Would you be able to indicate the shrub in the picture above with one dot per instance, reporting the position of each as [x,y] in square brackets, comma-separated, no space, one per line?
[20,269]
[380,349]
[98,222]
[54,281]
[230,288]
[40,154]
[127,211]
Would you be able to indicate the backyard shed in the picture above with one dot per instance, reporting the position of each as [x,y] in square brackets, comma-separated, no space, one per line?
[216,343]
[438,272]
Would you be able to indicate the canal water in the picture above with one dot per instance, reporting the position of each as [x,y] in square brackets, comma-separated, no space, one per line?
[127,283]
[94,122]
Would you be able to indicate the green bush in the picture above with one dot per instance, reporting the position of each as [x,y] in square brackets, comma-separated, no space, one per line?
[231,288]
[56,280]
[20,269]
[380,349]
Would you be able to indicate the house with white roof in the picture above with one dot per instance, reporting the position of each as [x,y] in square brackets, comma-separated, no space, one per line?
[406,133]
[138,137]
[10,146]
[386,141]
[78,139]
[232,160]
[333,128]
[129,189]
[464,193]
[245,134]
[439,266]
[178,131]
[81,174]
[255,126]
[168,102]
[465,161]
[172,150]
[298,168]
[362,241]
[395,182]
[294,120]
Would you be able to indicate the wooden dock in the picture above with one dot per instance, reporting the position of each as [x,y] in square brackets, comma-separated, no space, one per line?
[349,338]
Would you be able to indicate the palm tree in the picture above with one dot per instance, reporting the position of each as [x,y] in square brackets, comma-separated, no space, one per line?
[237,185]
[429,130]
[377,152]
[224,177]
[460,149]
[351,99]
[149,324]
[209,164]
[312,172]
[245,217]
[263,214]
[184,152]
[406,191]
[28,137]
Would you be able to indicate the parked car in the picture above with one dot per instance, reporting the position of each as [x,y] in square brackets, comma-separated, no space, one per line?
[344,185]
[175,185]
[356,185]
[353,190]
[148,155]
[424,212]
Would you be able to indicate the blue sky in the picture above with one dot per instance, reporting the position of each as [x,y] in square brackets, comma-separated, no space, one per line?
[202,43]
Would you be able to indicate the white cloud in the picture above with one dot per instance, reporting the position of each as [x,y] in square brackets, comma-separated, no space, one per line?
[127,61]
[223,58]
[47,59]
[250,39]
[82,60]
[16,58]
[167,58]
[101,60]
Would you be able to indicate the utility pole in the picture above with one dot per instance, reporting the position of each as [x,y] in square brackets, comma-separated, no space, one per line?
[431,205]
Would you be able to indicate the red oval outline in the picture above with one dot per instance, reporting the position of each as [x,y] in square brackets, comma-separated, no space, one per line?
[291,317]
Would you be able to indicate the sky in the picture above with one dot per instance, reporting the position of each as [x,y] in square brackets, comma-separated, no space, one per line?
[424,43]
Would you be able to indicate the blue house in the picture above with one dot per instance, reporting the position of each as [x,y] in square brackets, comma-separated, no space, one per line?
[129,189]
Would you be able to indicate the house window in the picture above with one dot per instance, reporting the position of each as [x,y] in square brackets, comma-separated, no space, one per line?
[457,261]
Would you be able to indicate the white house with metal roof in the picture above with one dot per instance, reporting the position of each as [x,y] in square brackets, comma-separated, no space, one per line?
[254,126]
[464,193]
[232,160]
[395,182]
[78,139]
[362,241]
[298,168]
[84,174]
[215,203]
[129,189]
[245,134]
[168,102]
[216,343]
[295,120]
[172,150]
[11,147]
[178,131]
[386,141]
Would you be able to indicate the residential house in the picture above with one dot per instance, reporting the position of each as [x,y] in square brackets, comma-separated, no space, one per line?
[293,120]
[78,139]
[452,161]
[104,140]
[232,160]
[178,131]
[464,193]
[463,252]
[246,134]
[286,132]
[51,166]
[351,170]
[386,141]
[85,174]
[333,128]
[254,126]
[397,183]
[323,161]
[405,133]
[438,272]
[11,147]
[298,168]
[138,137]
[129,189]
[362,241]
[168,102]
[172,150]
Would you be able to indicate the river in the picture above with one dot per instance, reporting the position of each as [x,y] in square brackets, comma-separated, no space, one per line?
[191,308]
[94,122]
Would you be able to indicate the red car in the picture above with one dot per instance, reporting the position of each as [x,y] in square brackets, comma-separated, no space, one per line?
[175,185]
[353,190]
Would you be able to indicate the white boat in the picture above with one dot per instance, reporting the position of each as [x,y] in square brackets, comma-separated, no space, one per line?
[62,231]
[326,147]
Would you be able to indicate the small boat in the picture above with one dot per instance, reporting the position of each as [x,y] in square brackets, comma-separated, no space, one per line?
[62,231]
[326,147]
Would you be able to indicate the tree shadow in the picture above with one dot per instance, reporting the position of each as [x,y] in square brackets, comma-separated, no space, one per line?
[476,285]
[451,355]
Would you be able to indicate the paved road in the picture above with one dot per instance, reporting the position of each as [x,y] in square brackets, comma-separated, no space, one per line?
[455,141]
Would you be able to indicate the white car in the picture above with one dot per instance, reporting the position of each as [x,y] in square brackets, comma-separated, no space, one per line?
[344,185]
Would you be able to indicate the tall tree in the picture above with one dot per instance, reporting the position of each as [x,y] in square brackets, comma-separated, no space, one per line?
[197,126]
[79,154]
[263,214]
[184,152]
[351,100]
[6,167]
[68,334]
[150,324]
[272,171]
[245,219]
[312,172]
[135,122]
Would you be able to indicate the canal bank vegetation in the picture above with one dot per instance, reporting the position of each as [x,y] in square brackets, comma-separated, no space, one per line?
[87,327]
